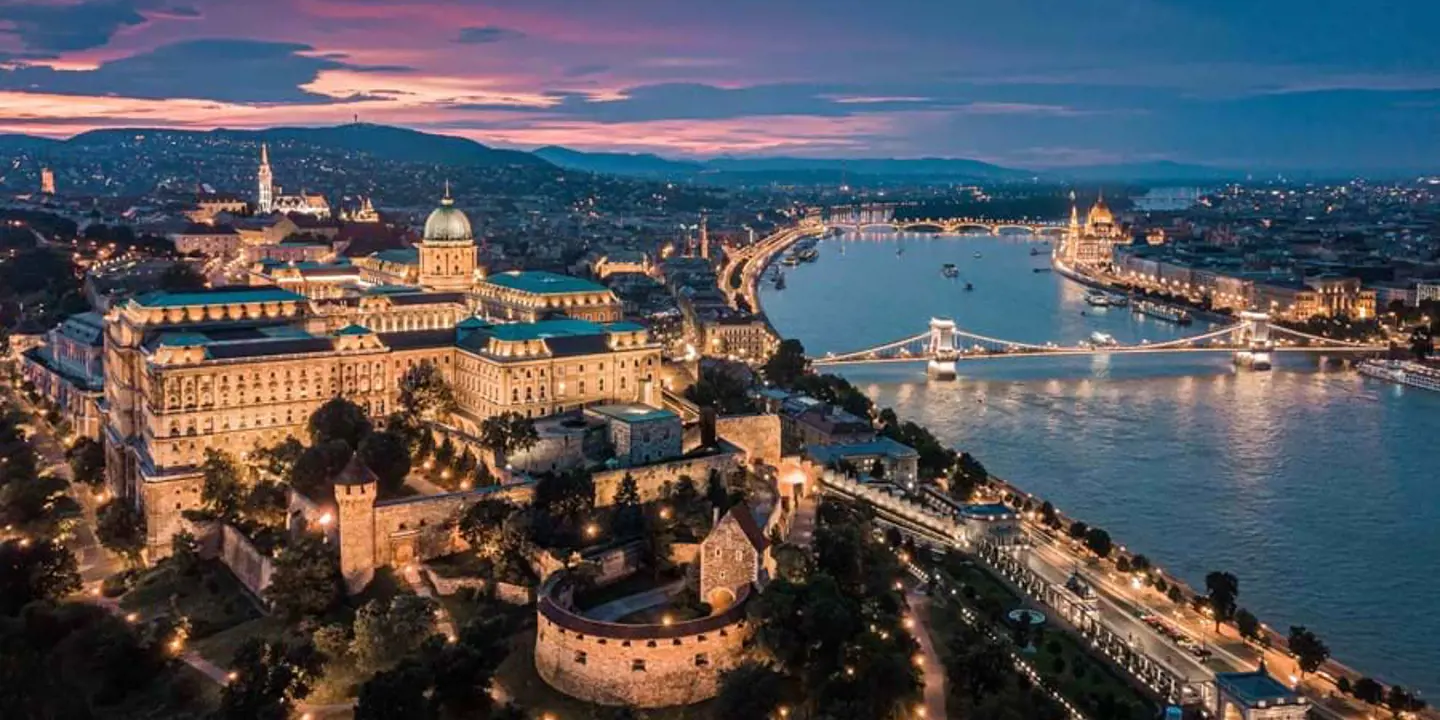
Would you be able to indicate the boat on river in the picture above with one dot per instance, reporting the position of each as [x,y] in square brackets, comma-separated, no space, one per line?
[949,270]
[1100,339]
[1097,298]
[1402,372]
[1162,311]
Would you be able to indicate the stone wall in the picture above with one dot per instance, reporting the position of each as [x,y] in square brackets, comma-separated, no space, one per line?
[251,567]
[758,435]
[644,666]
[418,528]
[651,479]
[504,592]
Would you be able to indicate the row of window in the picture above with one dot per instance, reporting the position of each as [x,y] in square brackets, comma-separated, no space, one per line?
[638,664]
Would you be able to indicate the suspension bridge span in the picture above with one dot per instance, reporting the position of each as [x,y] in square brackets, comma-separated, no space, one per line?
[1252,340]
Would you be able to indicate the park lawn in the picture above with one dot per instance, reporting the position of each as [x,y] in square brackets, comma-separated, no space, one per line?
[517,680]
[220,647]
[212,599]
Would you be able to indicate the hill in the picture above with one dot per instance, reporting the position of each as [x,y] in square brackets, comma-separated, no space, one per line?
[382,142]
[612,163]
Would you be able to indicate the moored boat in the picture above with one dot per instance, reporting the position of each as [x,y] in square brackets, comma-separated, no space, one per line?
[1097,298]
[1402,372]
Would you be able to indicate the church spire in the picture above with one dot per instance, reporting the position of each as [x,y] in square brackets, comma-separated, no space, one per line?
[447,200]
[265,182]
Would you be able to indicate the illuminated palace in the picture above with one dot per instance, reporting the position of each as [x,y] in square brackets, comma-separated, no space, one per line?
[238,367]
[1093,243]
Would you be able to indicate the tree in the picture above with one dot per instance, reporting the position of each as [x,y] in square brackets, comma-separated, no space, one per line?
[87,461]
[1048,515]
[1309,650]
[787,364]
[222,491]
[277,462]
[30,500]
[1247,624]
[483,526]
[1370,691]
[384,634]
[445,454]
[425,394]
[1078,530]
[752,690]
[184,553]
[397,693]
[1422,343]
[317,467]
[627,518]
[507,433]
[1222,588]
[339,419]
[388,456]
[877,469]
[716,492]
[35,570]
[121,530]
[1098,541]
[306,580]
[270,677]
[181,277]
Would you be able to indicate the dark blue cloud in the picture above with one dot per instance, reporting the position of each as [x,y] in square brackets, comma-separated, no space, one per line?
[227,70]
[487,34]
[75,26]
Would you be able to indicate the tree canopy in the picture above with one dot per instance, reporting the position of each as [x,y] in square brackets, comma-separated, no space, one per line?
[425,394]
[306,581]
[339,419]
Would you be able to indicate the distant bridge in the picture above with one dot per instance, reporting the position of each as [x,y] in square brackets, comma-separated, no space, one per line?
[1252,341]
[859,218]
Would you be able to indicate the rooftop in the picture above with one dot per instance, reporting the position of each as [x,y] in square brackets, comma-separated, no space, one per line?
[825,454]
[217,296]
[1253,688]
[545,329]
[632,412]
[543,283]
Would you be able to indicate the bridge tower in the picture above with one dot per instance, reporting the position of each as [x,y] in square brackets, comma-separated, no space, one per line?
[941,349]
[1255,340]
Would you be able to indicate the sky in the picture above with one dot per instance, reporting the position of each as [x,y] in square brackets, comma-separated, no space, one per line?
[1255,84]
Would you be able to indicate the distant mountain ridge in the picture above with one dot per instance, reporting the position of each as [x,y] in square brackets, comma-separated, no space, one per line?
[382,142]
[396,144]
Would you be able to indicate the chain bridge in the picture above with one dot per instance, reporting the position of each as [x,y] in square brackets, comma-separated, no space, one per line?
[1251,340]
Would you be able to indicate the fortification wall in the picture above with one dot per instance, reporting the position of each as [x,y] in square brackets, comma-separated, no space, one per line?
[758,435]
[418,528]
[644,666]
[164,502]
[651,479]
[251,567]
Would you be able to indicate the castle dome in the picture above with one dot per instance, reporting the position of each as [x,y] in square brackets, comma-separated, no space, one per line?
[448,223]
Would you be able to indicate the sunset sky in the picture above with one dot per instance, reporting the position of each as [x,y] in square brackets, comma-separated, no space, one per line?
[1278,84]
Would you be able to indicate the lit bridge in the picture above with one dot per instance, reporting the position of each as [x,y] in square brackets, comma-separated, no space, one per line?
[1252,340]
[859,218]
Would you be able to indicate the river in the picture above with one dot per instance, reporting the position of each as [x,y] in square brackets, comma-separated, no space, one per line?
[1315,486]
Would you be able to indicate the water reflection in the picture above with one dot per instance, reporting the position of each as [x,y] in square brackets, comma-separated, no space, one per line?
[1313,485]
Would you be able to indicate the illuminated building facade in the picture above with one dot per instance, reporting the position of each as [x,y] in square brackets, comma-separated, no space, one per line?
[1091,244]
[532,296]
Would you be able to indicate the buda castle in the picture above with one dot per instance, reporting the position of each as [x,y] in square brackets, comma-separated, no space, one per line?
[240,367]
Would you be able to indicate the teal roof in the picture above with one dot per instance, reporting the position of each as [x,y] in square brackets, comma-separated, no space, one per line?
[543,283]
[183,339]
[885,446]
[306,264]
[353,329]
[624,326]
[472,323]
[217,296]
[391,289]
[282,331]
[626,412]
[565,327]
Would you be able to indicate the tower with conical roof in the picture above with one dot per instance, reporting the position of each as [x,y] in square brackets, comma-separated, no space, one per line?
[265,193]
[447,251]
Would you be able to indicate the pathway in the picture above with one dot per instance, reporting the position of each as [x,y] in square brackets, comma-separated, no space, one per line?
[616,609]
[417,583]
[934,669]
[802,528]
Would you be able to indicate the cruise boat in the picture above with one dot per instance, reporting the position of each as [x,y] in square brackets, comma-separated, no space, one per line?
[949,270]
[808,254]
[1119,300]
[1402,372]
[1161,311]
[1097,298]
[1100,339]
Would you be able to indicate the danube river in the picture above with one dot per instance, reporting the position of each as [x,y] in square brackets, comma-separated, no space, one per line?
[1315,486]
